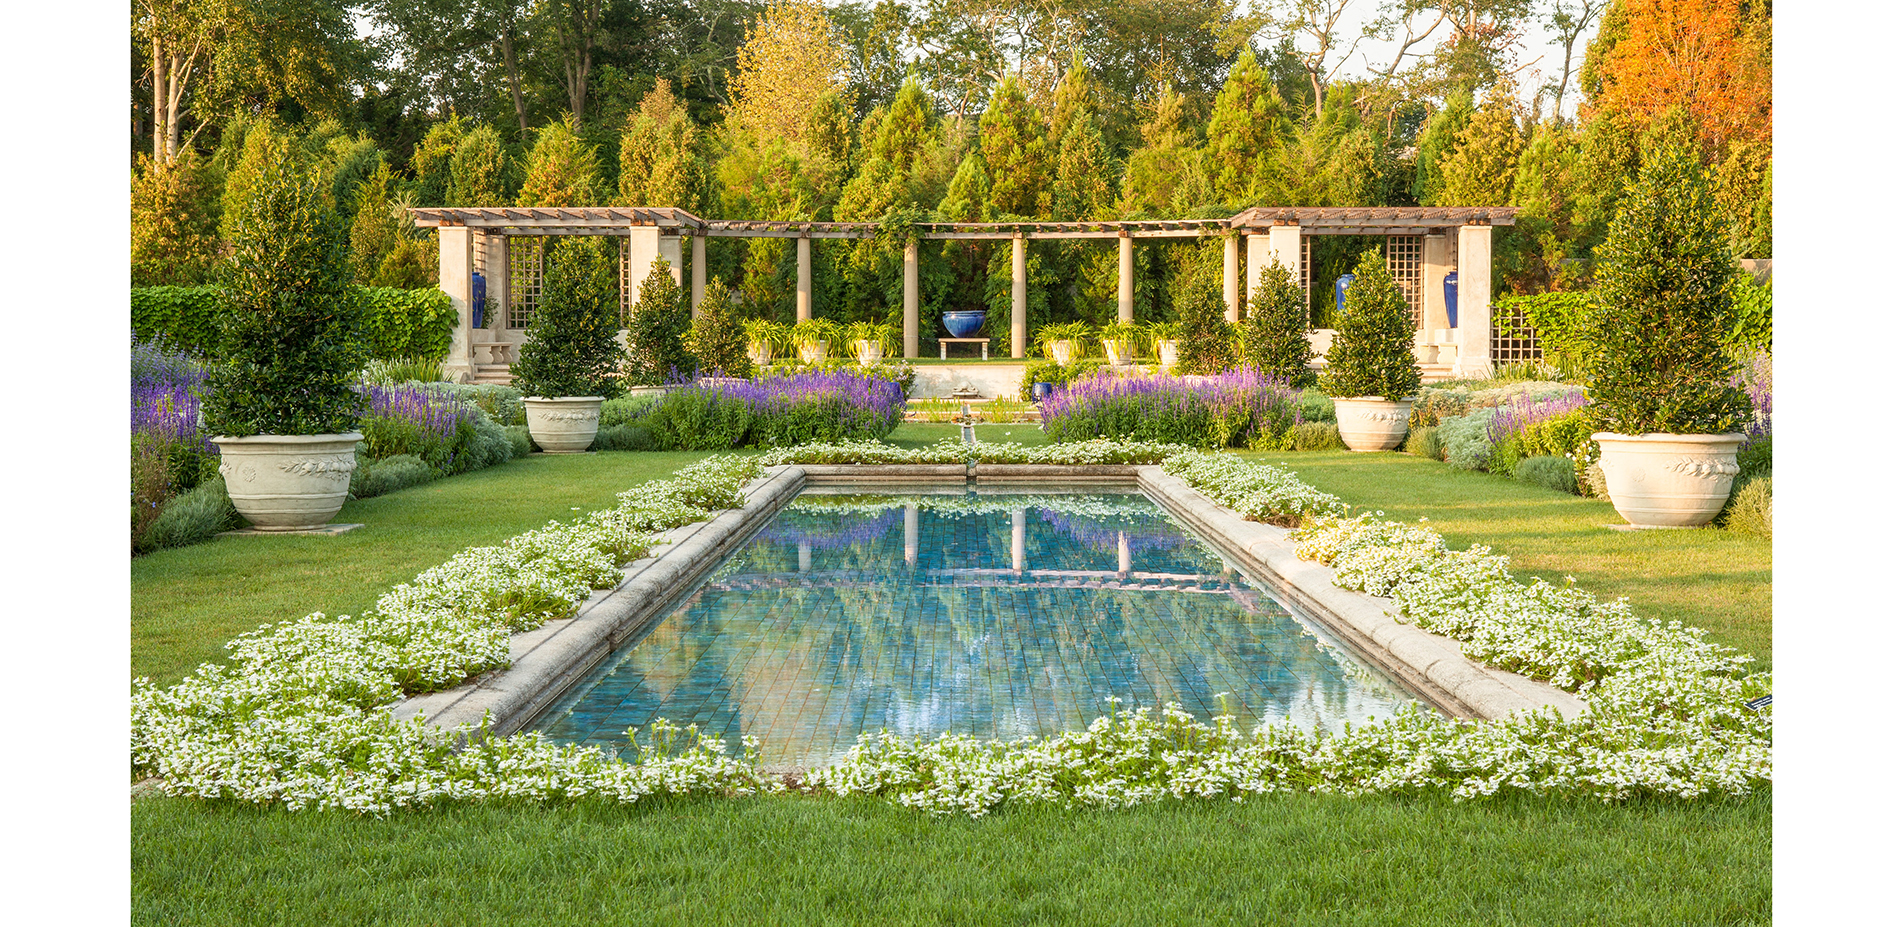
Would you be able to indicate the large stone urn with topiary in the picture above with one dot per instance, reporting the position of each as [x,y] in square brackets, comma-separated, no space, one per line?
[279,398]
[1371,372]
[1661,385]
[569,364]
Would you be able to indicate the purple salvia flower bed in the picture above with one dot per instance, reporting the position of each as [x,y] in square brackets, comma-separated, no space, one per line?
[1757,379]
[439,414]
[1090,532]
[831,532]
[1516,416]
[865,405]
[1243,402]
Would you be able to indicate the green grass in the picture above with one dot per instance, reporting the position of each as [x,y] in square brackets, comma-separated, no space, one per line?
[1282,860]
[1720,581]
[187,601]
[924,434]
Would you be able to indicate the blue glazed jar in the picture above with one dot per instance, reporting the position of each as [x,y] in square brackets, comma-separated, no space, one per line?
[964,323]
[1041,391]
[1451,300]
[477,295]
[1339,296]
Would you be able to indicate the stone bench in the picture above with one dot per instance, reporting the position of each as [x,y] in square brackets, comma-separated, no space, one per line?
[943,346]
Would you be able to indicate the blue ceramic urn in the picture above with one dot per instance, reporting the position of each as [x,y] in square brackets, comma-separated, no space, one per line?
[964,323]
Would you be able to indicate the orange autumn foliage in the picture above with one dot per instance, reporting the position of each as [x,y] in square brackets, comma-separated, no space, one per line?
[1710,56]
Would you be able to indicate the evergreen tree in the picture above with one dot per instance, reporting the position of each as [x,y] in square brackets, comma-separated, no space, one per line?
[892,157]
[571,349]
[432,163]
[375,230]
[561,170]
[1273,335]
[480,171]
[1166,156]
[1480,169]
[175,212]
[658,329]
[659,156]
[1543,194]
[1206,344]
[716,337]
[262,149]
[1245,126]
[1082,187]
[1663,303]
[1015,153]
[1372,346]
[1436,144]
[1608,155]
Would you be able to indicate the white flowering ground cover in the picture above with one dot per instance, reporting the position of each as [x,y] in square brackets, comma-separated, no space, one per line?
[302,717]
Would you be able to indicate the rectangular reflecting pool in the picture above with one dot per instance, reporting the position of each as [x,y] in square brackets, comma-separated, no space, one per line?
[994,613]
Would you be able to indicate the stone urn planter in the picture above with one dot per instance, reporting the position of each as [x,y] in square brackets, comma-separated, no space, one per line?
[761,354]
[1372,423]
[869,352]
[1118,352]
[1062,352]
[1169,351]
[1668,481]
[814,352]
[564,424]
[288,482]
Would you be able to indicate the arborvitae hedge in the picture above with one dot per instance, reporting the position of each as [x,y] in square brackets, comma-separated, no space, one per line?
[395,323]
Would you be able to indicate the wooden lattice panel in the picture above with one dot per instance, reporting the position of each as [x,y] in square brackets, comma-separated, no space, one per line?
[524,279]
[1405,261]
[1512,338]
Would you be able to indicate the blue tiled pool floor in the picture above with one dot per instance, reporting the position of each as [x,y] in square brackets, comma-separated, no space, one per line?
[999,615]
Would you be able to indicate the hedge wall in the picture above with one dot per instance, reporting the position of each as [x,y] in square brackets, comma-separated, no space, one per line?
[397,323]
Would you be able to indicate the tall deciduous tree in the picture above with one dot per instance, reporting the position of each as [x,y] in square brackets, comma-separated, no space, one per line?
[791,58]
[1708,56]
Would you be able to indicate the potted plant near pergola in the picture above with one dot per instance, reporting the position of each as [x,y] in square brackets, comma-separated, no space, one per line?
[1661,384]
[568,365]
[1371,372]
[279,398]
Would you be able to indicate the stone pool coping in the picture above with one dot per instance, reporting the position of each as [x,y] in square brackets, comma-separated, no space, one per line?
[546,661]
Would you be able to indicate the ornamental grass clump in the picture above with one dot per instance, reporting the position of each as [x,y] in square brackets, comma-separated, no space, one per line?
[1664,306]
[571,349]
[1372,348]
[290,342]
[1239,408]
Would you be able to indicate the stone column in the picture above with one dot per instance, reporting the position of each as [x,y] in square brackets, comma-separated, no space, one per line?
[804,556]
[910,535]
[804,278]
[1230,276]
[699,272]
[1125,297]
[1018,294]
[1018,538]
[646,245]
[1474,302]
[910,299]
[1124,557]
[1439,259]
[453,268]
[1281,244]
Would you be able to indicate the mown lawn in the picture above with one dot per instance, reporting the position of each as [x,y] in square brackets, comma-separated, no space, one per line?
[1720,581]
[804,860]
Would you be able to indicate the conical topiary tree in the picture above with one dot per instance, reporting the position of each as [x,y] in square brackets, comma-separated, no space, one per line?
[1206,344]
[717,338]
[1372,347]
[291,347]
[1663,304]
[570,349]
[657,328]
[1273,335]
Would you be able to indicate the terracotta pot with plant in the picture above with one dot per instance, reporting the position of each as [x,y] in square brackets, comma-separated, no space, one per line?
[1371,372]
[1661,383]
[279,398]
[570,362]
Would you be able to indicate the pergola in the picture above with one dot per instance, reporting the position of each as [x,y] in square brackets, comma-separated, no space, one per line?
[477,239]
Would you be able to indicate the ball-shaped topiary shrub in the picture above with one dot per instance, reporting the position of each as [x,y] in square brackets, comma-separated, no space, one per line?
[1372,348]
[1273,336]
[570,349]
[1664,303]
[290,346]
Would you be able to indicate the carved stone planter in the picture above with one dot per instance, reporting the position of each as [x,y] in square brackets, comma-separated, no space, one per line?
[565,424]
[288,482]
[1062,352]
[1169,351]
[869,352]
[1370,423]
[1668,481]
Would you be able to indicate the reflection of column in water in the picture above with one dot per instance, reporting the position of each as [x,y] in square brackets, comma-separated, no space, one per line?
[1017,536]
[910,535]
[1124,561]
[804,556]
